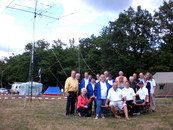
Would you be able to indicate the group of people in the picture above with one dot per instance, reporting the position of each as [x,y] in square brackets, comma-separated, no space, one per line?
[103,91]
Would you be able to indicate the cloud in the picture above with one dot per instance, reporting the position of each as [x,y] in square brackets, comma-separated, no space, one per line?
[13,37]
[113,6]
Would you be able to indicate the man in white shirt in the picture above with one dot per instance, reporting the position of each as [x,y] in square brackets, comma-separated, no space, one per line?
[130,97]
[152,90]
[143,96]
[115,97]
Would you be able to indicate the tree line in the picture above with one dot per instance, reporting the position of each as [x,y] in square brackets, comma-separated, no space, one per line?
[135,42]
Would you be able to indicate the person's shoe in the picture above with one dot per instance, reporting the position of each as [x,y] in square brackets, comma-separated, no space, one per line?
[136,114]
[103,117]
[153,110]
[97,117]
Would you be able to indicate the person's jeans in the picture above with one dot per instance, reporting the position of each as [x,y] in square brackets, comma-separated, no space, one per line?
[137,107]
[99,103]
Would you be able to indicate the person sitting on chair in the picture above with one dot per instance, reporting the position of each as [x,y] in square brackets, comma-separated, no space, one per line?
[82,104]
[115,96]
[143,97]
[130,97]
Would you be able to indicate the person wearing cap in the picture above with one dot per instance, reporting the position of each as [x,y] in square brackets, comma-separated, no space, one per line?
[85,81]
[90,92]
[130,97]
[110,81]
[143,97]
[114,98]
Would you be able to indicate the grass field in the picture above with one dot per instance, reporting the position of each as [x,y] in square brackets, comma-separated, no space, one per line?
[50,115]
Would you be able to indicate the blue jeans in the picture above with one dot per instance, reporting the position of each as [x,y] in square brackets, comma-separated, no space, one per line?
[137,107]
[99,103]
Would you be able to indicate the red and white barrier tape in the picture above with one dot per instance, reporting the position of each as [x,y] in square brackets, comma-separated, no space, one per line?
[9,94]
[4,98]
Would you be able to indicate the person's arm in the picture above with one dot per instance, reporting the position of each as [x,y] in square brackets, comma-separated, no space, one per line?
[124,100]
[145,100]
[95,90]
[67,87]
[106,103]
[134,99]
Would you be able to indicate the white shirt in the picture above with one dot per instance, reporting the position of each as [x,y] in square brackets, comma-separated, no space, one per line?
[141,80]
[93,86]
[110,82]
[114,96]
[142,92]
[103,90]
[86,82]
[153,83]
[129,93]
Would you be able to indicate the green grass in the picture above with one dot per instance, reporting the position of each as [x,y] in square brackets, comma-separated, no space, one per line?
[50,115]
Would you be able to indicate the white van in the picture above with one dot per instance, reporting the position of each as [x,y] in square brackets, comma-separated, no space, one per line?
[15,87]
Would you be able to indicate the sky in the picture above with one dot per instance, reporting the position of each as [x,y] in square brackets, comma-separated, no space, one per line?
[78,19]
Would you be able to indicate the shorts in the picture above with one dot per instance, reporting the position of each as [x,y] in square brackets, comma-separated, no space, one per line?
[117,104]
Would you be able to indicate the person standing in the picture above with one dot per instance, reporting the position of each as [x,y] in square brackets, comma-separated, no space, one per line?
[84,82]
[90,93]
[135,76]
[133,84]
[141,77]
[106,73]
[110,80]
[71,89]
[152,91]
[121,74]
[100,92]
[97,78]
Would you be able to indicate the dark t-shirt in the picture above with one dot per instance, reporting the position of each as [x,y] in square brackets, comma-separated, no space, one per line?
[133,85]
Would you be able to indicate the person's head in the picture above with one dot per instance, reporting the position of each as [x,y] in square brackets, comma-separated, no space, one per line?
[127,84]
[145,78]
[141,75]
[106,73]
[102,78]
[121,79]
[131,79]
[90,76]
[93,79]
[121,73]
[135,76]
[83,91]
[148,74]
[98,77]
[141,84]
[115,86]
[77,76]
[86,75]
[110,77]
[73,73]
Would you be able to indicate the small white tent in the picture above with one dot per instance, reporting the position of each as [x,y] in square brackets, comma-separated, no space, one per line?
[164,83]
[25,88]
